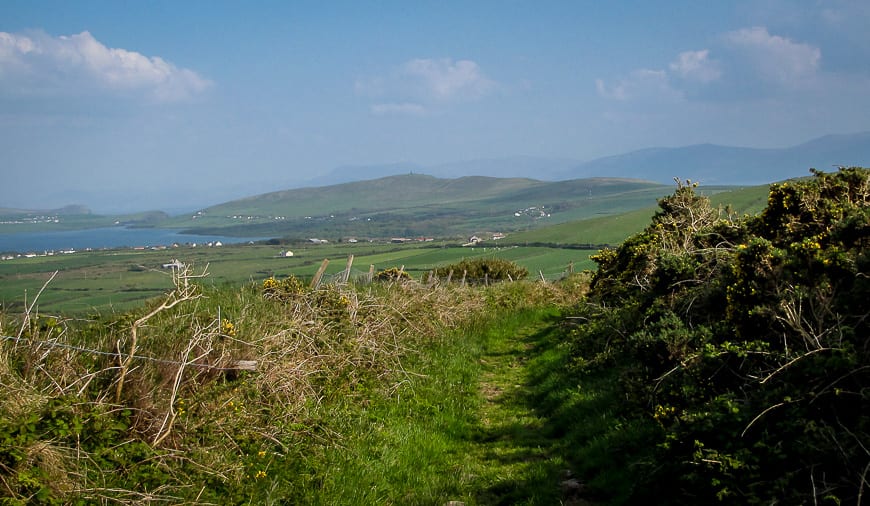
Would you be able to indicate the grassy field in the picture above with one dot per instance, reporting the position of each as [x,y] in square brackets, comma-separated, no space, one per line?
[118,280]
[614,229]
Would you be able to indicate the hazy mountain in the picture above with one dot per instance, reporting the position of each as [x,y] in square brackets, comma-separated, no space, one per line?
[707,163]
[516,166]
[712,164]
[352,173]
[63,211]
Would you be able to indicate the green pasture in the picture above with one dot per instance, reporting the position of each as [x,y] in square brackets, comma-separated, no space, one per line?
[118,280]
[614,229]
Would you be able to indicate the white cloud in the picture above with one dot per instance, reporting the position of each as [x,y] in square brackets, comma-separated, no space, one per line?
[405,108]
[445,79]
[418,86]
[696,66]
[80,64]
[774,57]
[641,83]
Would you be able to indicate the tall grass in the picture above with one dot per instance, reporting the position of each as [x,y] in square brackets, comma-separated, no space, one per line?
[337,371]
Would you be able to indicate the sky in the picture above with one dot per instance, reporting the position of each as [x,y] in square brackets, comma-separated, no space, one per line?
[126,106]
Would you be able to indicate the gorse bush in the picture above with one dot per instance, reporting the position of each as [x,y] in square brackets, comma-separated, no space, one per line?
[745,342]
[481,270]
[392,274]
[284,290]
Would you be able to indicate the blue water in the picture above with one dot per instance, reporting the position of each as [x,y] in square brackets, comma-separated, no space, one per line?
[109,237]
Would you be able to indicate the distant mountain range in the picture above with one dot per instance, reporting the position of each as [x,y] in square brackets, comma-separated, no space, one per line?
[712,164]
[63,211]
[706,163]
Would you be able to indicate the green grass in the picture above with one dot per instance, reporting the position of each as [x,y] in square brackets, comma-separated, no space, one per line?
[461,427]
[119,280]
[414,205]
[613,230]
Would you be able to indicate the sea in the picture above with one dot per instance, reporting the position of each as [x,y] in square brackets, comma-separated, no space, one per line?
[105,238]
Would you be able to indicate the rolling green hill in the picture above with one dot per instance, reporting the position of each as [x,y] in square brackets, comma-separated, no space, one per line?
[614,229]
[415,205]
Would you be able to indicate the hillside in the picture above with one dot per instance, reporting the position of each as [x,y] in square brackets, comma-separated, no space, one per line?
[416,204]
[71,218]
[614,229]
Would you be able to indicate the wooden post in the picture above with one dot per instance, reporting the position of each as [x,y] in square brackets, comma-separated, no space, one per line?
[315,281]
[571,267]
[347,269]
[542,276]
[371,273]
[464,273]
[449,276]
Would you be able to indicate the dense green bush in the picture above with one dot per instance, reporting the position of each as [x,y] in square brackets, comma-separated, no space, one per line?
[482,270]
[392,274]
[746,341]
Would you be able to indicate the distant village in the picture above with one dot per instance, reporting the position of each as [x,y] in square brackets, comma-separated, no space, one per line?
[49,253]
[26,220]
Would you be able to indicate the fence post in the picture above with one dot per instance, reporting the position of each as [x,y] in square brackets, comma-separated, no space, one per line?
[315,281]
[347,269]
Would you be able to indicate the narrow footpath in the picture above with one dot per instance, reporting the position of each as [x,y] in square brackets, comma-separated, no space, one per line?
[517,444]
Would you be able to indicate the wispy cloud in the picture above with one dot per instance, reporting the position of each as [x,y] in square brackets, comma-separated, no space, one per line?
[445,79]
[639,84]
[775,58]
[750,62]
[80,64]
[406,108]
[421,84]
[696,66]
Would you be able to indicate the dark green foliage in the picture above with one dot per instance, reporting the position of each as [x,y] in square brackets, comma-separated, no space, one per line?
[746,341]
[392,274]
[482,270]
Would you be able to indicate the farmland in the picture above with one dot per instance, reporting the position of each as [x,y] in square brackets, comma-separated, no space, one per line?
[117,280]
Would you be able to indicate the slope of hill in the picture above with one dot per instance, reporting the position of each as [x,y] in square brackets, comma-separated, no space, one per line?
[612,230]
[416,204]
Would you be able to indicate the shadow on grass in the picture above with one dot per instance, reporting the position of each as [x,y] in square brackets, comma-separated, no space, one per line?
[556,434]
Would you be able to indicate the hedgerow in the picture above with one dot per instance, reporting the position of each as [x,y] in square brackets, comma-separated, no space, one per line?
[745,343]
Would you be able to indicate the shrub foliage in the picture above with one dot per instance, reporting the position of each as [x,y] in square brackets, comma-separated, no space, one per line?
[482,270]
[745,342]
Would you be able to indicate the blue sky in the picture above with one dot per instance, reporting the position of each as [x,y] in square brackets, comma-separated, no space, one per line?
[139,105]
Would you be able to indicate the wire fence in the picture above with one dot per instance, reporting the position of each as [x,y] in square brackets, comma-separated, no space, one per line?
[360,277]
[56,344]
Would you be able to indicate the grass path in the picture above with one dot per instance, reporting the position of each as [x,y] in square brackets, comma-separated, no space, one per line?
[481,422]
[517,447]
